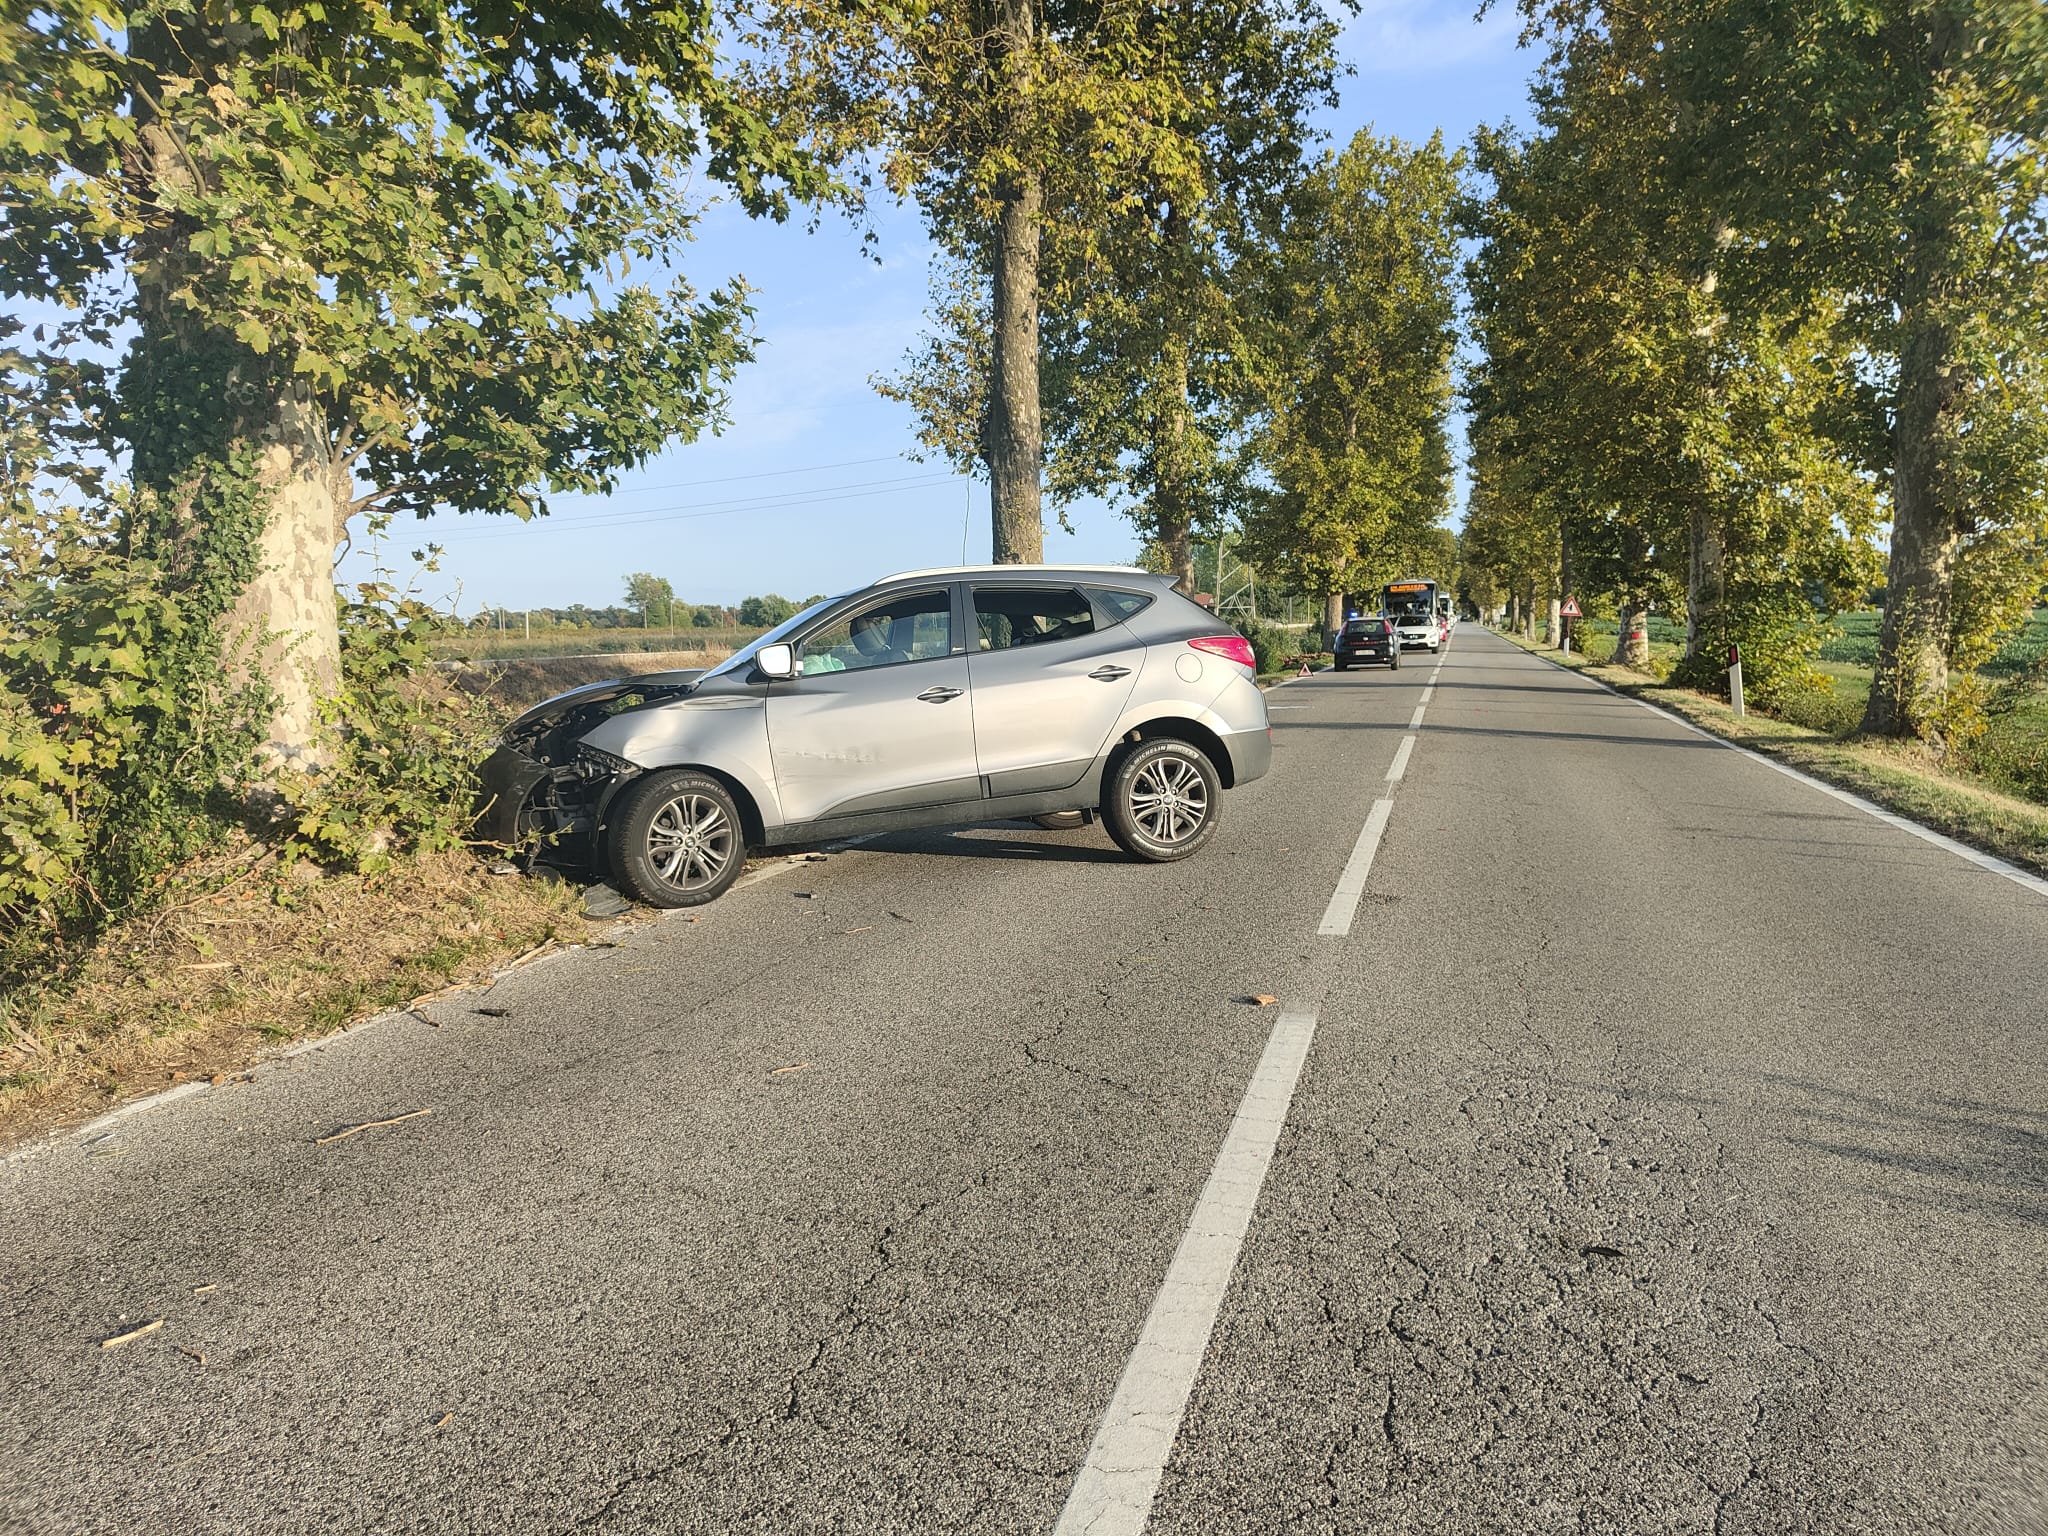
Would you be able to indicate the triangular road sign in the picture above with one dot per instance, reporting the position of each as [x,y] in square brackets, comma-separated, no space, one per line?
[1571,608]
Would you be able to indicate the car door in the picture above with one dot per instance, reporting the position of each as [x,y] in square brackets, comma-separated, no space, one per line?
[1050,682]
[879,717]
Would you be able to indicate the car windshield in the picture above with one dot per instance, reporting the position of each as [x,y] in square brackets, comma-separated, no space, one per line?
[745,655]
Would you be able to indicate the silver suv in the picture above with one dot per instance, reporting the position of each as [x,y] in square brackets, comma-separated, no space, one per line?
[930,698]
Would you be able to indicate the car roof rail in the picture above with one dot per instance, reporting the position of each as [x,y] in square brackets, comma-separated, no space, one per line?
[1118,572]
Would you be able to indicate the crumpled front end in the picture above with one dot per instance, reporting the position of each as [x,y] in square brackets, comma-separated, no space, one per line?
[544,788]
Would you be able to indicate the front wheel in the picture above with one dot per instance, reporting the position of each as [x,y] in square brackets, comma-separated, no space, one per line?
[1162,801]
[675,839]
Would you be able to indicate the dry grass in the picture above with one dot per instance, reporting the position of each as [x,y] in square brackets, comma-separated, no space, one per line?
[208,984]
[1905,777]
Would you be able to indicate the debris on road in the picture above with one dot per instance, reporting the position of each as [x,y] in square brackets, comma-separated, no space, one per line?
[201,1290]
[493,1012]
[441,1423]
[901,918]
[1599,1251]
[864,928]
[369,1125]
[805,895]
[132,1333]
[1259,999]
[192,1353]
[601,901]
[794,1067]
[808,858]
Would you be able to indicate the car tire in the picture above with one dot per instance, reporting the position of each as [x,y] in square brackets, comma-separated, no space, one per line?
[1150,789]
[675,839]
[1394,662]
[1340,666]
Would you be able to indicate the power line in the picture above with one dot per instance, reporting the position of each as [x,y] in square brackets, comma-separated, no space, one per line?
[540,525]
[765,474]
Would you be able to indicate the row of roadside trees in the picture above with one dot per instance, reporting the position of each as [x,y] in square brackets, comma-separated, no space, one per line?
[1760,307]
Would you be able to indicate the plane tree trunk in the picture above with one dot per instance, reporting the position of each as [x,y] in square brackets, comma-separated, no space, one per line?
[1912,642]
[1014,433]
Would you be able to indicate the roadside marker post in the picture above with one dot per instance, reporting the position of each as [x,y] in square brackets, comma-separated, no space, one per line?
[1735,677]
[1568,612]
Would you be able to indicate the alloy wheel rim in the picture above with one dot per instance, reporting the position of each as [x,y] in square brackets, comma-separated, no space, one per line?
[690,841]
[1169,800]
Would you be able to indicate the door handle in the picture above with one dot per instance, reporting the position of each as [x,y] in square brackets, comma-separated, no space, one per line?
[940,695]
[1110,673]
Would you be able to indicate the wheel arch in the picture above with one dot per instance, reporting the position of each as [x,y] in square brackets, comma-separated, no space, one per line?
[1179,728]
[752,828]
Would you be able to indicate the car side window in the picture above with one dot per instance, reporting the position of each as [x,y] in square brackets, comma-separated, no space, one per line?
[1121,604]
[916,626]
[1008,617]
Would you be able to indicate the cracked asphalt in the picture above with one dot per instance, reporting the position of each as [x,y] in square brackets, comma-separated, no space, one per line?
[1672,1156]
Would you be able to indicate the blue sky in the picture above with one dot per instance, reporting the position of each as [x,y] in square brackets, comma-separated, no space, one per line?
[807,489]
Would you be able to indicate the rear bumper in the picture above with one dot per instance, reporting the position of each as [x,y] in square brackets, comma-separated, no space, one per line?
[1251,754]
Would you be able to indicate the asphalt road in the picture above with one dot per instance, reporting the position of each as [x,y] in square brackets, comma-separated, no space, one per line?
[1664,1148]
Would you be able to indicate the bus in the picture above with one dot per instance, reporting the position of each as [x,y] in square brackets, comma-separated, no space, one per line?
[1410,595]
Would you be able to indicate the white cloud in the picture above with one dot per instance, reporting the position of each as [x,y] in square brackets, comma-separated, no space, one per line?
[1398,37]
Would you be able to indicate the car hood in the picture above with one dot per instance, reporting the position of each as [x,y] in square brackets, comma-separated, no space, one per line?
[664,685]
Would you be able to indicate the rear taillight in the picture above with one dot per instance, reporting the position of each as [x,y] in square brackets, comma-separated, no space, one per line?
[1234,647]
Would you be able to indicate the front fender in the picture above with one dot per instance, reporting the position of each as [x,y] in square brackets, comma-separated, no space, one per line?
[725,734]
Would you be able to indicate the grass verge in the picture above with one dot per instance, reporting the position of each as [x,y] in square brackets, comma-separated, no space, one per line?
[1905,777]
[204,986]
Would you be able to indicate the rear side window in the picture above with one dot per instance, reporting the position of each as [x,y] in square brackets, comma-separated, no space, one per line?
[1121,604]
[1007,617]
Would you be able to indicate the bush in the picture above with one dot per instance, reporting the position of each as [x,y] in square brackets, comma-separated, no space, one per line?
[1271,645]
[403,743]
[124,742]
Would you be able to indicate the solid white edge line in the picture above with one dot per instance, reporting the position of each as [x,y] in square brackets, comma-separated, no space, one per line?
[1113,1494]
[1351,884]
[1400,765]
[1989,862]
[1415,720]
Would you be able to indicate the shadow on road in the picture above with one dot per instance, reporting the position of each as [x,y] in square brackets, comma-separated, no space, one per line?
[998,840]
[1968,1155]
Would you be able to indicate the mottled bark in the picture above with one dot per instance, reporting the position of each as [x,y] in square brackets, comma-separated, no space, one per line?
[1015,440]
[1173,491]
[1705,575]
[1912,643]
[242,499]
[1631,637]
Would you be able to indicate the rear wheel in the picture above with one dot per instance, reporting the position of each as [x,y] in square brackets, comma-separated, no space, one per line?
[1340,665]
[675,839]
[1163,801]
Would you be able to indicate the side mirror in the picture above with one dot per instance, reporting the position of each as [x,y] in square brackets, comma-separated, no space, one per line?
[776,660]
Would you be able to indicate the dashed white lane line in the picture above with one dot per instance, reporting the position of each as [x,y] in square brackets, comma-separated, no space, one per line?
[1427,693]
[1343,905]
[1114,1492]
[1415,720]
[1400,764]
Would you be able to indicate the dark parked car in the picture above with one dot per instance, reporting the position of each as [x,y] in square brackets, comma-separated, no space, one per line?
[1367,640]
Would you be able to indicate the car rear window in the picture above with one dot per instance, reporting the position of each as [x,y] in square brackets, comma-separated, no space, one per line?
[1366,627]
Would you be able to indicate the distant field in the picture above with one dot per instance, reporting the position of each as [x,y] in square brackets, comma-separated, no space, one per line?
[489,645]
